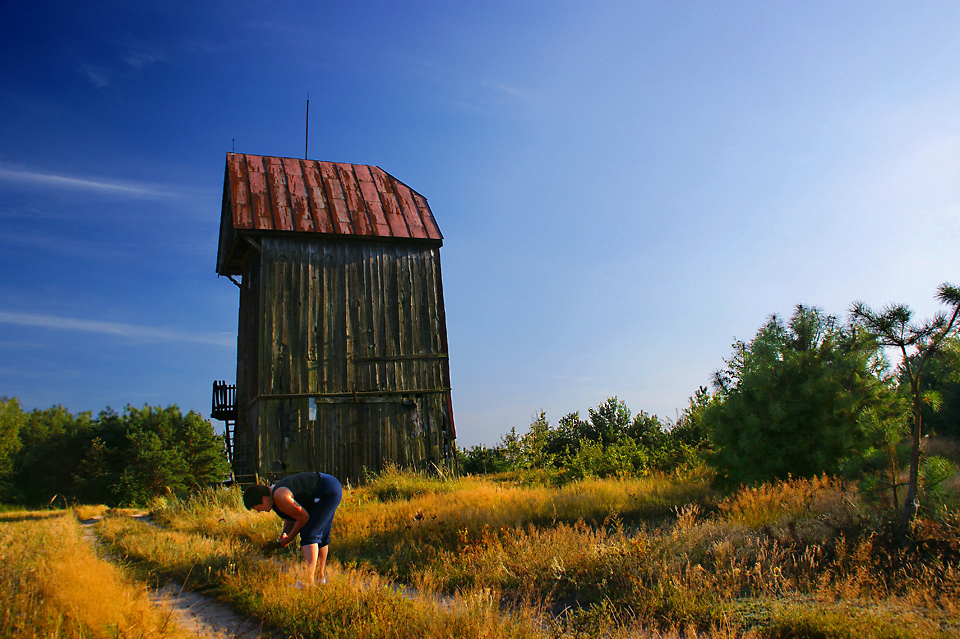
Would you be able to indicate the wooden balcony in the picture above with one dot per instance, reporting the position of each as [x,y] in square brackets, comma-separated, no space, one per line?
[225,409]
[224,401]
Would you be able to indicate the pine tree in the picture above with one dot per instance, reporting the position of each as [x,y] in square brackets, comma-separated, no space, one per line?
[917,343]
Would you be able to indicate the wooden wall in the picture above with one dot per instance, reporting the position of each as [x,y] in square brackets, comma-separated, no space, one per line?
[343,363]
[246,441]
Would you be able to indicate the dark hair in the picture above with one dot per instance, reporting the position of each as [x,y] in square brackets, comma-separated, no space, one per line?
[253,495]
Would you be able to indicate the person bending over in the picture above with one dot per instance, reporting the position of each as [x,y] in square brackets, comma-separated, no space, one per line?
[307,503]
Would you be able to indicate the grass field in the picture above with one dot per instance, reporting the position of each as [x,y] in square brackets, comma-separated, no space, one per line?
[52,585]
[477,557]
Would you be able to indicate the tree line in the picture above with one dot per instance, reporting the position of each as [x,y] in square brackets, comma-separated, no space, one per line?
[807,396]
[114,459]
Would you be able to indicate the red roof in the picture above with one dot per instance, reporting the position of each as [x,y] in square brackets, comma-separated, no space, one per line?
[309,196]
[263,194]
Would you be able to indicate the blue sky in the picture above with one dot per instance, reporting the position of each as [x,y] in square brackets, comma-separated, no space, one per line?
[624,188]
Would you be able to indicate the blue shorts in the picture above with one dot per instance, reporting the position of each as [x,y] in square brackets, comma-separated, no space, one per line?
[321,510]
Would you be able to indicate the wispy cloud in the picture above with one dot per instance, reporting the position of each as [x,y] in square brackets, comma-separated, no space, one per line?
[139,59]
[65,245]
[99,76]
[52,180]
[146,333]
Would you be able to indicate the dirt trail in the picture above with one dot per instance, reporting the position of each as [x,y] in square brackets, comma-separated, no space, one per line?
[194,612]
[204,616]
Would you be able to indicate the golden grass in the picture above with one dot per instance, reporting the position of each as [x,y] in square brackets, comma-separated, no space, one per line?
[356,603]
[52,585]
[416,529]
[801,558]
[87,512]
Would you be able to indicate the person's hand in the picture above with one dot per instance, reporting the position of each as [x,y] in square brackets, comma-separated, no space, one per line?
[284,540]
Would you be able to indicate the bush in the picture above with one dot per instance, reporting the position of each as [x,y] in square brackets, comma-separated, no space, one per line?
[612,443]
[790,401]
[622,458]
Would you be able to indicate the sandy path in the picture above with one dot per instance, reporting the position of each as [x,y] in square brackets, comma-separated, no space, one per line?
[194,612]
[204,616]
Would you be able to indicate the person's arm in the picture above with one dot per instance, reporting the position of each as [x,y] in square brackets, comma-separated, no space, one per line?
[285,503]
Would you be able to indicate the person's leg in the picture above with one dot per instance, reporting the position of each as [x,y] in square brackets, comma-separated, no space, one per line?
[315,536]
[310,554]
[322,563]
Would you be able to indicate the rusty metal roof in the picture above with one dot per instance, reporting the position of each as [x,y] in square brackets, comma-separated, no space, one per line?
[265,194]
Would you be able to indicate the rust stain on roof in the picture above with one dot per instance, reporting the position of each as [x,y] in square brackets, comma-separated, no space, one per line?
[309,196]
[263,194]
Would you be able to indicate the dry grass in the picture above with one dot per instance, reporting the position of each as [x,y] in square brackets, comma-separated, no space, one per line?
[792,551]
[356,603]
[397,537]
[53,585]
[87,512]
[802,558]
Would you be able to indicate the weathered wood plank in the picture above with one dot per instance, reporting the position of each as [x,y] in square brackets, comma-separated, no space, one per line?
[403,319]
[286,297]
[431,310]
[337,308]
[444,346]
[378,312]
[310,295]
[281,300]
[362,370]
[291,309]
[415,295]
[374,300]
[391,321]
[265,335]
[352,305]
[323,316]
[420,280]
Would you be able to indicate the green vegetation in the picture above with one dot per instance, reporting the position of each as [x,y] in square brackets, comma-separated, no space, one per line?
[115,459]
[918,343]
[611,443]
[798,389]
[940,380]
[11,423]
